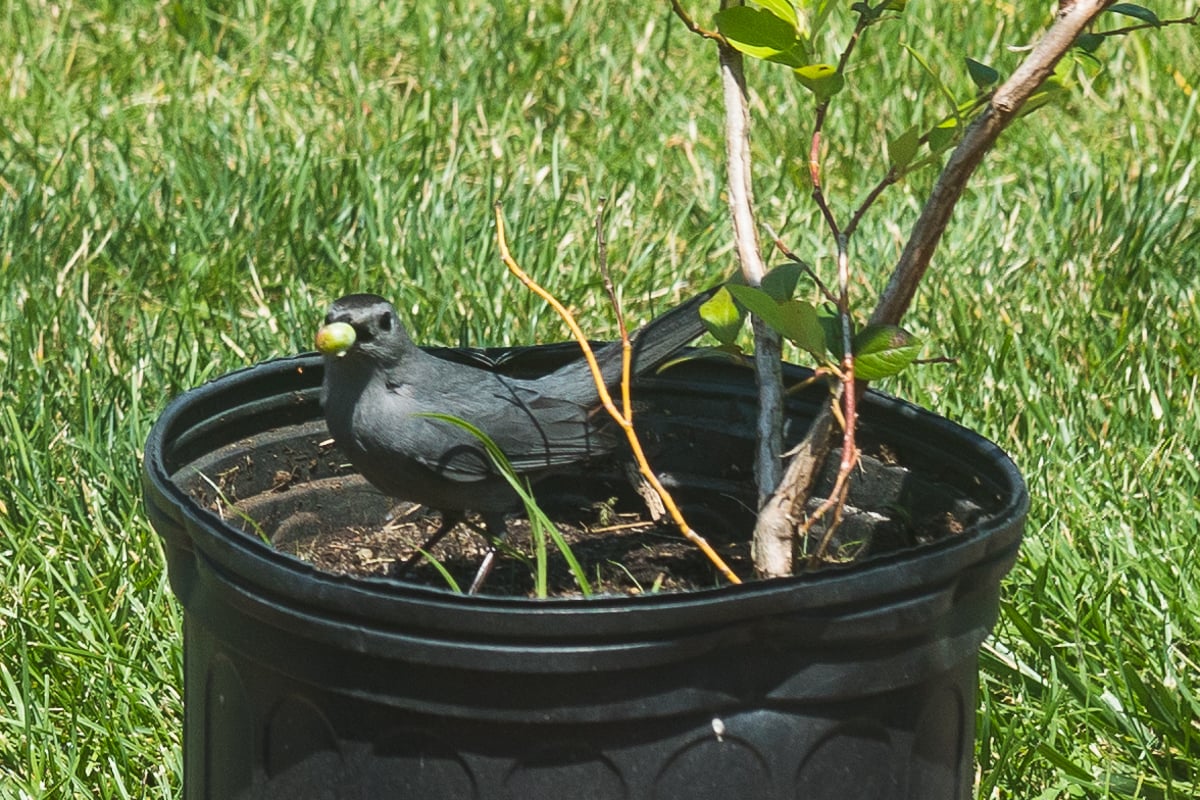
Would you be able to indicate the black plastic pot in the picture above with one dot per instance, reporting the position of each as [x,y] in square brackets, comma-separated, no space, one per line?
[848,683]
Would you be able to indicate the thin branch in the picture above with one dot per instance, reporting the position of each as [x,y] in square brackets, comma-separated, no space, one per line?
[814,174]
[692,26]
[1191,19]
[849,408]
[804,265]
[859,27]
[623,418]
[605,275]
[849,394]
[936,360]
[814,148]
[891,177]
[836,502]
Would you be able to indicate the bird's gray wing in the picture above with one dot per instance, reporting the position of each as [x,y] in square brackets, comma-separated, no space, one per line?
[535,431]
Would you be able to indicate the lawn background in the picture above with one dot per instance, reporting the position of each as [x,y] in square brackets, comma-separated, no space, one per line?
[183,190]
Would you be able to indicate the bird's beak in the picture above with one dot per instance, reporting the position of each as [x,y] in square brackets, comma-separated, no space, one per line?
[335,339]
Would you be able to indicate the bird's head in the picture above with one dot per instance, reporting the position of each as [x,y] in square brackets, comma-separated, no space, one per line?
[365,326]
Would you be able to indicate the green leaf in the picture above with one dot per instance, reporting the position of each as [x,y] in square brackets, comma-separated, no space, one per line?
[881,351]
[801,326]
[903,149]
[1089,42]
[823,80]
[781,281]
[795,320]
[1135,11]
[831,326]
[873,15]
[759,34]
[983,75]
[759,303]
[782,9]
[1086,61]
[943,136]
[722,317]
[865,10]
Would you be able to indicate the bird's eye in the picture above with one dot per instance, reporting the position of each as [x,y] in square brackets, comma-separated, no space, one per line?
[385,321]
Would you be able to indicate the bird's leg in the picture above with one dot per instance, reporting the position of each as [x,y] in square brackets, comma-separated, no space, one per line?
[496,529]
[449,520]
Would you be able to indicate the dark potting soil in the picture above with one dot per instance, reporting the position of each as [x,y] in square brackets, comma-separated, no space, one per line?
[343,526]
[622,554]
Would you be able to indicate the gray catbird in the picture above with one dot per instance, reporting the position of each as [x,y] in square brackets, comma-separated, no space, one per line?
[379,389]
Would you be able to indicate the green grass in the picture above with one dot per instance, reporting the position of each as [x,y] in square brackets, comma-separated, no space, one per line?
[182,192]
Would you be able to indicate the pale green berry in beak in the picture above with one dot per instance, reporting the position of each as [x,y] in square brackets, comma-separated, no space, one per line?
[335,338]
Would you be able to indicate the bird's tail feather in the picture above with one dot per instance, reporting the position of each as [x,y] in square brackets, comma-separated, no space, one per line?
[653,344]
